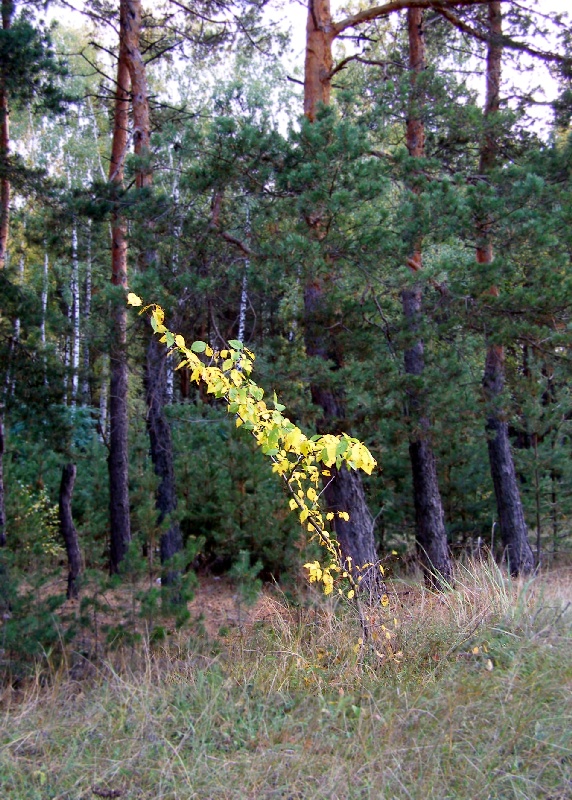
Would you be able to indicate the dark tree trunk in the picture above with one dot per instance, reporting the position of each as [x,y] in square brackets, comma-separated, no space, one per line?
[68,529]
[509,507]
[162,453]
[343,491]
[343,488]
[512,524]
[156,376]
[2,502]
[118,459]
[430,532]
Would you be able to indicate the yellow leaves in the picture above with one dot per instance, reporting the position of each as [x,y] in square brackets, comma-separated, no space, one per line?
[385,601]
[329,444]
[300,461]
[294,439]
[134,300]
[314,571]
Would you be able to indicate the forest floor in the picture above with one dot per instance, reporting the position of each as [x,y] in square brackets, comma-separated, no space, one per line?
[464,695]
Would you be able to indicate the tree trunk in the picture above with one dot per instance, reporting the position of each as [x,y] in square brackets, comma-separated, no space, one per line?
[75,315]
[2,502]
[343,488]
[68,529]
[162,452]
[85,384]
[156,372]
[7,12]
[513,528]
[343,491]
[118,459]
[430,532]
[318,62]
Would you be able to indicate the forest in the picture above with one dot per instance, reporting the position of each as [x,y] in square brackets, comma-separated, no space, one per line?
[249,281]
[385,225]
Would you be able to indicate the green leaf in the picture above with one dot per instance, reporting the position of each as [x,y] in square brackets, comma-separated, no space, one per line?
[199,347]
[170,339]
[235,344]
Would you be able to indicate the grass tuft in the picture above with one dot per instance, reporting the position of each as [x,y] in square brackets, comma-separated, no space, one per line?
[478,706]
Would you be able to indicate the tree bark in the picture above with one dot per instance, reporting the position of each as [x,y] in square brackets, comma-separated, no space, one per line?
[68,529]
[118,459]
[75,315]
[7,12]
[343,489]
[318,61]
[156,373]
[512,524]
[162,452]
[2,501]
[430,532]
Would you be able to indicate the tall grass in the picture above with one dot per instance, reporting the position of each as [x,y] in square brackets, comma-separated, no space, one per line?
[478,706]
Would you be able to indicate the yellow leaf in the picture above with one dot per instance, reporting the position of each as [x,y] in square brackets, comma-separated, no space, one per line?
[134,300]
[330,515]
[351,594]
[293,504]
[385,601]
[476,650]
[179,341]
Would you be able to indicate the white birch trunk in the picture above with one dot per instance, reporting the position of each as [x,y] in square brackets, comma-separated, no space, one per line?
[75,314]
[86,315]
[103,397]
[244,289]
[44,300]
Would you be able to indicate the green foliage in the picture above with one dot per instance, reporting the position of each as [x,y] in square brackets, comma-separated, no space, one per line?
[29,67]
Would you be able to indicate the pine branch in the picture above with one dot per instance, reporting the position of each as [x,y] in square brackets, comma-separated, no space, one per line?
[504,41]
[385,10]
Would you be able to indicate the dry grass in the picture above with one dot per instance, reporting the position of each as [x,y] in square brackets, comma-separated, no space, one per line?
[287,705]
